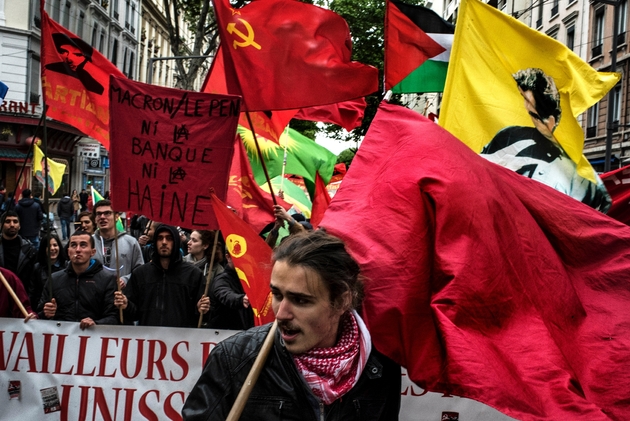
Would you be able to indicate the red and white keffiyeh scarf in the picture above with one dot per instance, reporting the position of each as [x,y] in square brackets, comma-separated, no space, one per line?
[332,372]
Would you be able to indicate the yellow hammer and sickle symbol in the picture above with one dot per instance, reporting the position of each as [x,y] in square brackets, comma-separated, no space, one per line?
[247,39]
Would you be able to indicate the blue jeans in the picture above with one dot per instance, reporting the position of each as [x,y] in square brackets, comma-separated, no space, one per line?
[65,228]
[34,241]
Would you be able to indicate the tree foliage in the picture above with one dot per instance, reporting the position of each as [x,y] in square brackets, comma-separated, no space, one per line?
[366,20]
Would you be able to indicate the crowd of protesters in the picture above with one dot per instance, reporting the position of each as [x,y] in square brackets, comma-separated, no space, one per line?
[158,275]
[147,273]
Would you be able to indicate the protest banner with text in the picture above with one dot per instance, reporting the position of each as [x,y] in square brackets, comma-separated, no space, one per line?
[55,371]
[169,147]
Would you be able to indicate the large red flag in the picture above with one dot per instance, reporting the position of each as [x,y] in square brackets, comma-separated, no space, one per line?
[75,81]
[252,204]
[617,183]
[251,257]
[347,114]
[285,54]
[321,201]
[483,283]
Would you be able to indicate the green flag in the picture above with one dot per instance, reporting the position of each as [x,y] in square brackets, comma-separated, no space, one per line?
[304,156]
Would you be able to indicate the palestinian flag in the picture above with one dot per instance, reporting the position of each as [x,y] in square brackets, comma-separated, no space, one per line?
[417,48]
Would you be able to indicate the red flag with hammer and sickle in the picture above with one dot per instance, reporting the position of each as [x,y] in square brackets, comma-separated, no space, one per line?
[285,54]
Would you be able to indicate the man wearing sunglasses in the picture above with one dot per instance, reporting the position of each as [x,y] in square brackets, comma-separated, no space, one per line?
[129,253]
[535,152]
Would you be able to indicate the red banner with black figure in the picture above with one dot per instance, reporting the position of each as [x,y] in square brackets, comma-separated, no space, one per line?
[251,257]
[75,81]
[285,54]
[169,147]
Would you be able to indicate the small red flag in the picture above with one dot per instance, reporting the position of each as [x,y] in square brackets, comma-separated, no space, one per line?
[251,257]
[320,202]
[285,54]
[483,283]
[252,204]
[75,81]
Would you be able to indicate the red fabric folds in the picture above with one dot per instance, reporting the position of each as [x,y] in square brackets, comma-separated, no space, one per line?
[347,114]
[251,203]
[321,201]
[617,183]
[285,54]
[483,283]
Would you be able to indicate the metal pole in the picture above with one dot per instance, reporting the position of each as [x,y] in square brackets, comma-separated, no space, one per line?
[611,94]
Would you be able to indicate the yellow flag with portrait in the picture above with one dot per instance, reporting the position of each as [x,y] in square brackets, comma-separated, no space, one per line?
[481,96]
[55,170]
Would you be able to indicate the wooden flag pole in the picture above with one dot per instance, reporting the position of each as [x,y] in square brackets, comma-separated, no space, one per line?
[120,310]
[260,156]
[209,274]
[252,377]
[15,297]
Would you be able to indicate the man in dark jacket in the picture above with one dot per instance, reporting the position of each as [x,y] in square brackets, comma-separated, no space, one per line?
[31,215]
[16,253]
[229,305]
[84,292]
[83,199]
[65,210]
[322,364]
[166,291]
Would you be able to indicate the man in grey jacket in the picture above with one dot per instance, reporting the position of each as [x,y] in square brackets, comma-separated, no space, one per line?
[129,252]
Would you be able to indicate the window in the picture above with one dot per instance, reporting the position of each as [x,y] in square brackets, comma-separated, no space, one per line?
[132,19]
[124,68]
[115,52]
[131,64]
[65,19]
[591,124]
[553,31]
[127,14]
[80,23]
[35,79]
[598,33]
[115,9]
[616,106]
[571,37]
[101,41]
[540,14]
[95,33]
[622,23]
[554,8]
[56,10]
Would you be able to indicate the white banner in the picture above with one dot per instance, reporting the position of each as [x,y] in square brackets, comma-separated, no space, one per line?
[55,371]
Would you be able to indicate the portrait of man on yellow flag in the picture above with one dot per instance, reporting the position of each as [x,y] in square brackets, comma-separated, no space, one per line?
[513,94]
[54,170]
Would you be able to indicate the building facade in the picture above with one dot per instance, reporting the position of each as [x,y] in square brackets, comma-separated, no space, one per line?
[602,29]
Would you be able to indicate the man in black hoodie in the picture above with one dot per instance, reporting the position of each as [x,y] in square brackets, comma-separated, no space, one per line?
[31,215]
[166,291]
[65,210]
